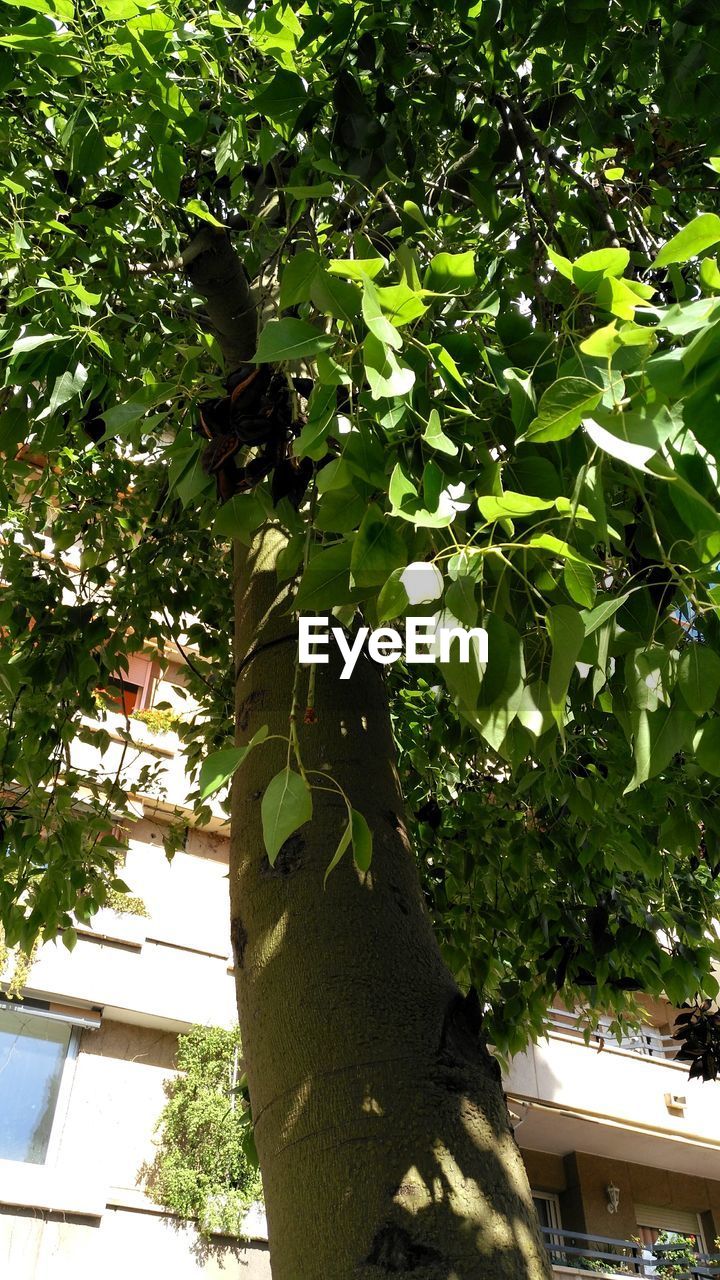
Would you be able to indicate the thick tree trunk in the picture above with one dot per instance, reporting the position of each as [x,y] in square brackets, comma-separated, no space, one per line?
[380,1121]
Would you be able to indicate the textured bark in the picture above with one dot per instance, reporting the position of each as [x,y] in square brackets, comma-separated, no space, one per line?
[380,1121]
[214,268]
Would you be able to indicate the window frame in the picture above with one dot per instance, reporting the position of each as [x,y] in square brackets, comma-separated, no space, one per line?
[662,1219]
[67,1079]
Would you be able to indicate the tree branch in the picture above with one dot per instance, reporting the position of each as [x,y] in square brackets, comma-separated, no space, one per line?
[215,270]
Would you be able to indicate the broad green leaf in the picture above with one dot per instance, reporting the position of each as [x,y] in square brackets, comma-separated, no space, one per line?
[657,736]
[401,303]
[393,599]
[297,278]
[567,632]
[451,272]
[290,339]
[338,298]
[239,517]
[562,408]
[66,386]
[343,845]
[377,549]
[591,268]
[385,375]
[601,613]
[699,676]
[579,581]
[376,321]
[510,506]
[31,341]
[635,455]
[326,581]
[359,269]
[406,503]
[362,841]
[286,805]
[700,234]
[219,767]
[168,169]
[281,99]
[200,210]
[522,397]
[434,436]
[706,745]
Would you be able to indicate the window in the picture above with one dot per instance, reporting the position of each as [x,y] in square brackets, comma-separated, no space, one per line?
[131,690]
[34,1051]
[668,1236]
[548,1208]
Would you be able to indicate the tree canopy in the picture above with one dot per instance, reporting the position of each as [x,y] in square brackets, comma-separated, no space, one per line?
[485,231]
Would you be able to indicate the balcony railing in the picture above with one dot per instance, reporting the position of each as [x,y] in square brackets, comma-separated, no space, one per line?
[649,1042]
[574,1251]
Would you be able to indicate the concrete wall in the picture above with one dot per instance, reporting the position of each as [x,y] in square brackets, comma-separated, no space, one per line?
[122,1245]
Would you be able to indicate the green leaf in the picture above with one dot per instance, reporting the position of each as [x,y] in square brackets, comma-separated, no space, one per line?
[290,339]
[635,455]
[326,580]
[562,408]
[522,397]
[706,745]
[699,676]
[451,272]
[567,632]
[385,375]
[591,268]
[392,601]
[698,235]
[31,341]
[377,549]
[598,616]
[435,437]
[657,736]
[376,321]
[69,937]
[343,845]
[362,841]
[510,506]
[297,278]
[201,211]
[286,805]
[218,768]
[281,99]
[579,581]
[66,386]
[168,169]
[359,269]
[239,517]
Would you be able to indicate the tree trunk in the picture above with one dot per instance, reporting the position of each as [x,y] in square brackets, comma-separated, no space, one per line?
[380,1121]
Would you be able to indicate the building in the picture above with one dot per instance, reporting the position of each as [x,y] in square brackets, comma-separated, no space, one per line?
[623,1151]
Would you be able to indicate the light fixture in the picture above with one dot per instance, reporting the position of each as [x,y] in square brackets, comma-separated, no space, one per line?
[613,1197]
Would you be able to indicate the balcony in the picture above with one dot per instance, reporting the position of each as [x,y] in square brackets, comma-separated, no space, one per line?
[574,1254]
[649,1042]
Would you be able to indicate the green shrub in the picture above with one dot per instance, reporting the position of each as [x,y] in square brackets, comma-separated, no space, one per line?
[205,1168]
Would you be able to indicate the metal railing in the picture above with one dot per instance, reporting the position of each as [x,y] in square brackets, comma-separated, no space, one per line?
[607,1256]
[648,1042]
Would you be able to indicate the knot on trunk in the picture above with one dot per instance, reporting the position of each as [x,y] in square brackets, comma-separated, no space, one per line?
[395,1252]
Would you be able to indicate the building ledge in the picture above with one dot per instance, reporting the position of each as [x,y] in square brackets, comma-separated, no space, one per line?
[52,1188]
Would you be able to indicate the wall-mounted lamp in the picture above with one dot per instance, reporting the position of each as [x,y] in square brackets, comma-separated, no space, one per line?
[613,1197]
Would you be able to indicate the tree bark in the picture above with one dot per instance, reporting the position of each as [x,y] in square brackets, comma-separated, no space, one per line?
[380,1121]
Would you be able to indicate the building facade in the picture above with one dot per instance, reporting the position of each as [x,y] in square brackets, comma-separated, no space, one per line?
[622,1150]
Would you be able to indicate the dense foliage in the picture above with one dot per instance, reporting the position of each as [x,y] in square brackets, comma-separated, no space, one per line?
[201,1170]
[487,232]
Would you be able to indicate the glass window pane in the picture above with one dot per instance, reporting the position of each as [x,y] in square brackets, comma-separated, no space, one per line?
[32,1055]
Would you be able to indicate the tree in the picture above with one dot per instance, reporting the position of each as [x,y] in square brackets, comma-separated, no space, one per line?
[476,245]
